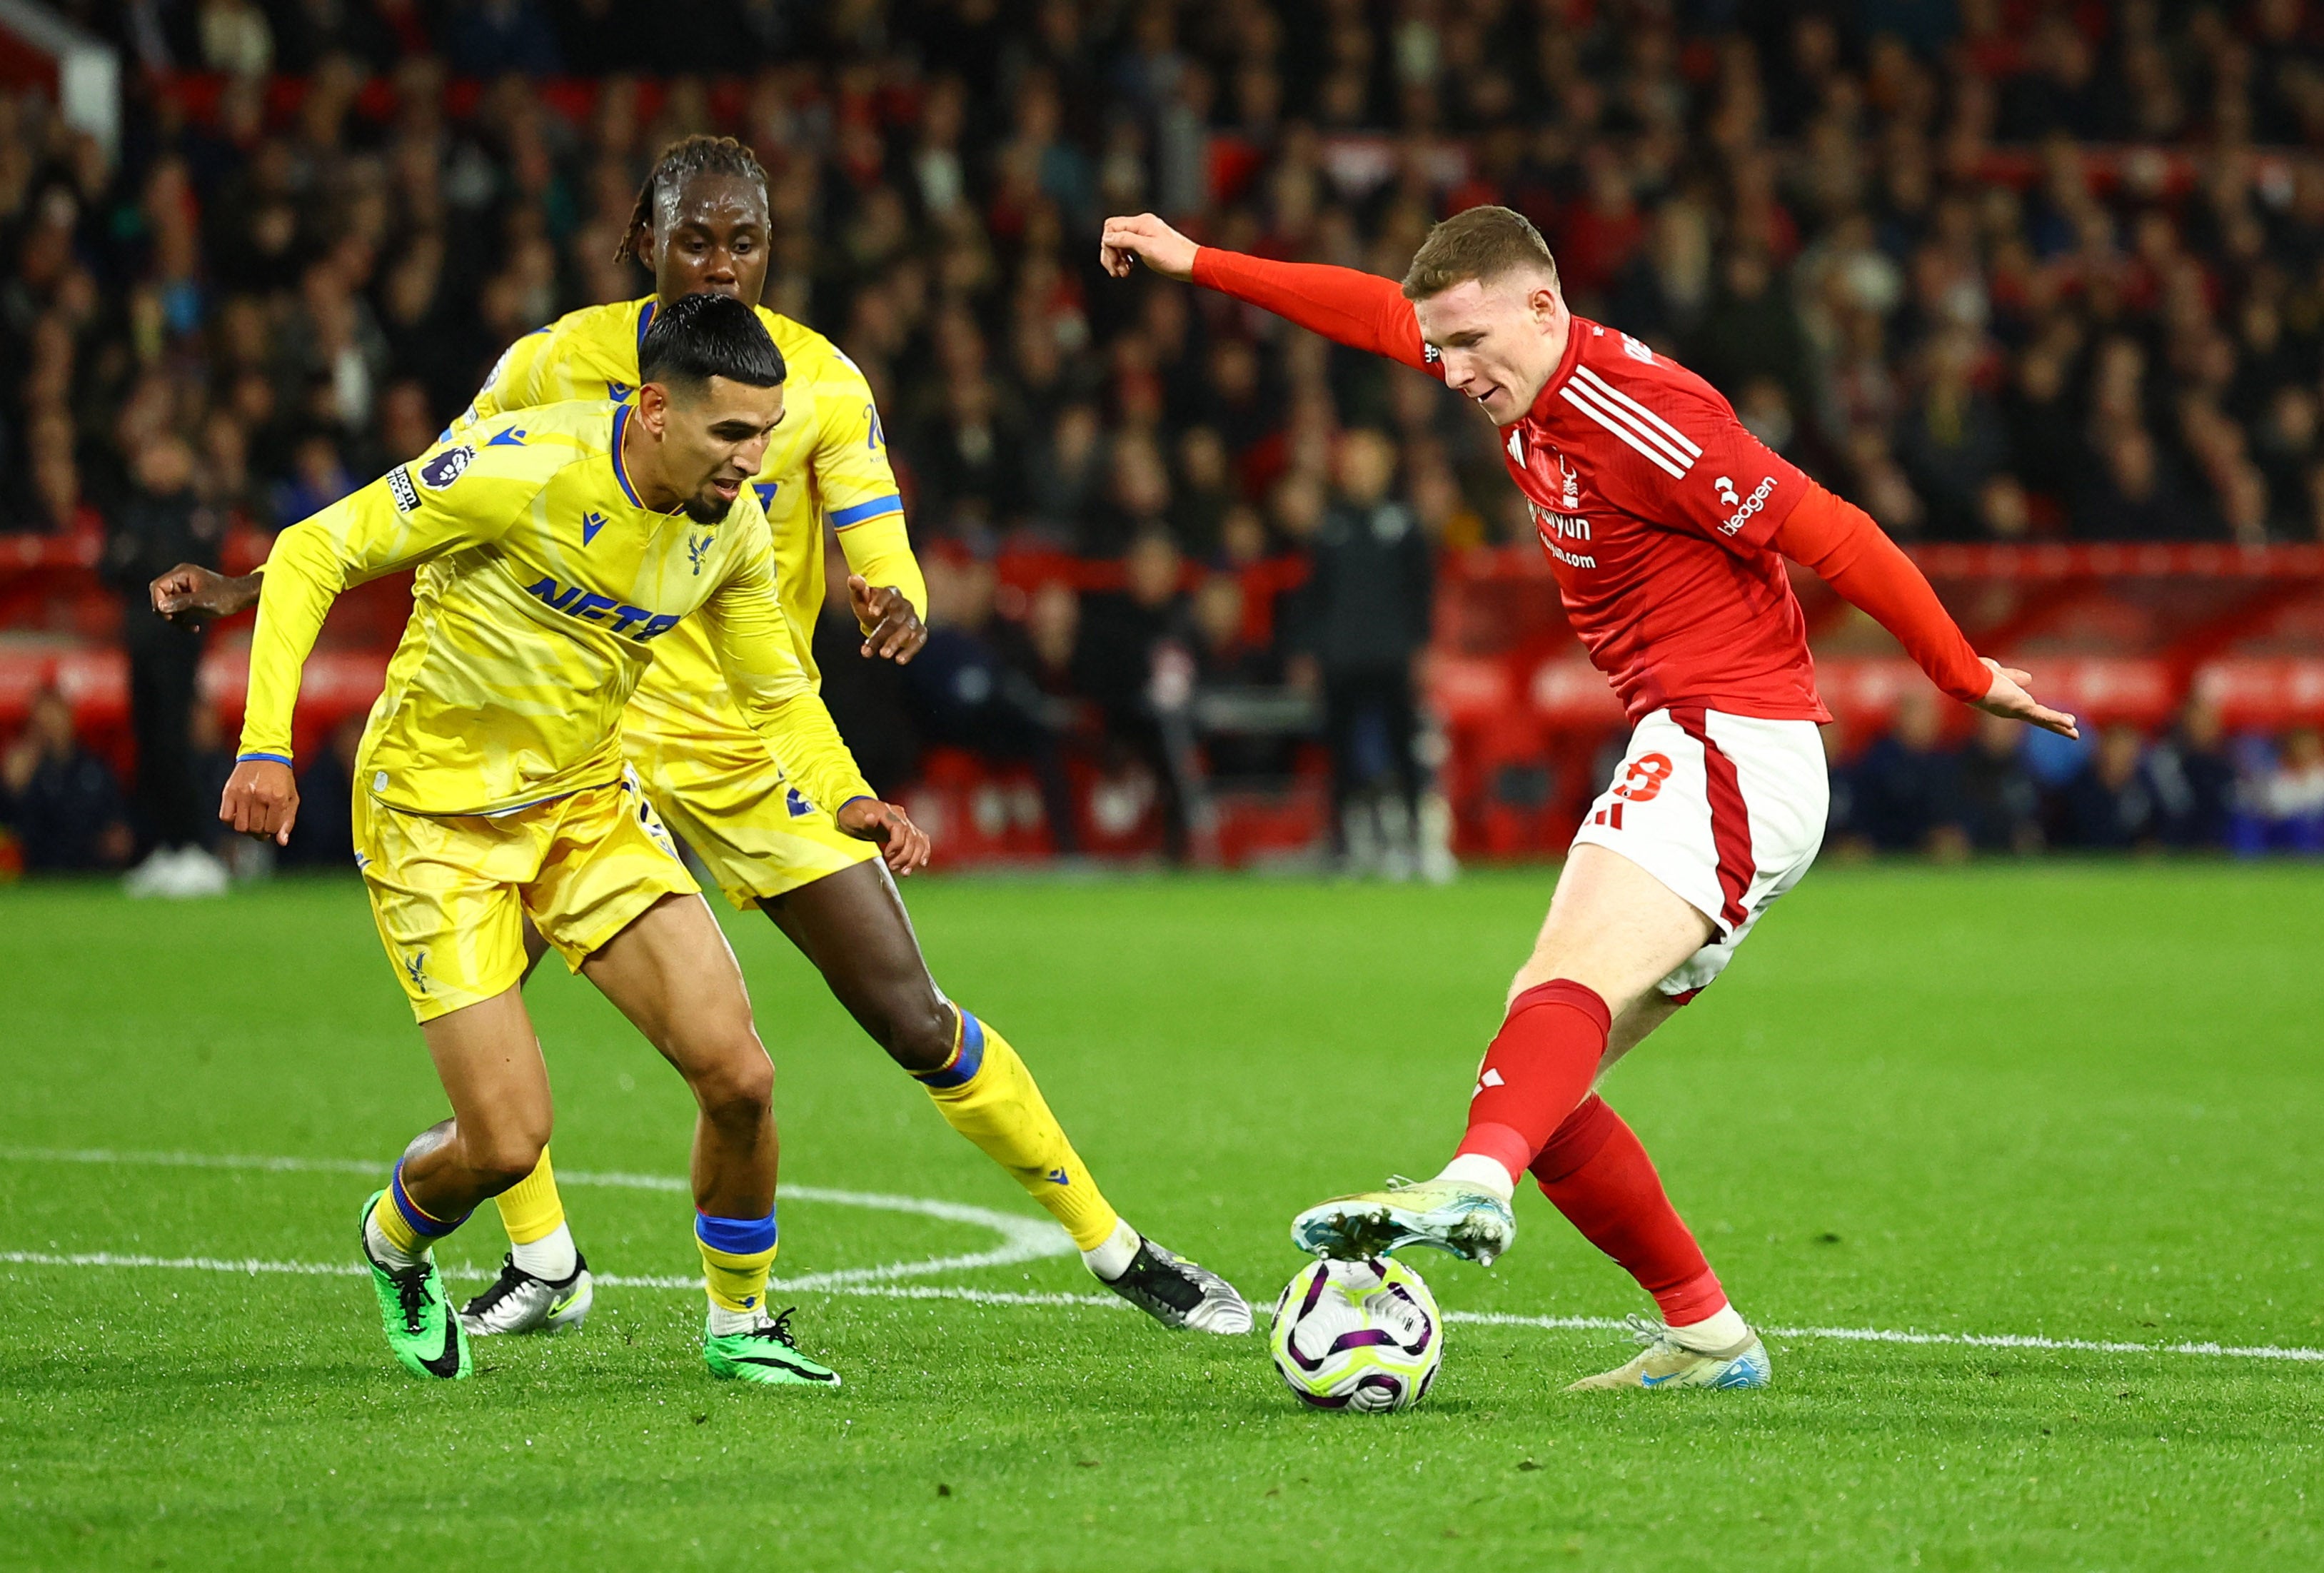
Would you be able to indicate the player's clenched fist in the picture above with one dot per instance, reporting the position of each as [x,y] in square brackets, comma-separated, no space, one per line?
[260,800]
[903,846]
[190,594]
[1145,238]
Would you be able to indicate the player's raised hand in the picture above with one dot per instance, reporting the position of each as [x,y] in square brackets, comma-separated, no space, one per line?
[903,844]
[261,801]
[896,632]
[2007,697]
[1145,238]
[191,594]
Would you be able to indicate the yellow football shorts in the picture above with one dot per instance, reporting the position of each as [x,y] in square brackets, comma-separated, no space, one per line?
[450,893]
[726,795]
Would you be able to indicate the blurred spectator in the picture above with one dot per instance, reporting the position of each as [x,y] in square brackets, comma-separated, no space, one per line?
[2000,805]
[1363,622]
[162,524]
[2284,810]
[1129,643]
[318,478]
[1905,790]
[61,799]
[1045,655]
[2193,778]
[965,693]
[1249,718]
[865,698]
[2134,494]
[1951,439]
[2109,806]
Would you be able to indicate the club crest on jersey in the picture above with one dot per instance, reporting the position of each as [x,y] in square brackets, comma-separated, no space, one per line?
[445,468]
[1572,499]
[697,547]
[635,622]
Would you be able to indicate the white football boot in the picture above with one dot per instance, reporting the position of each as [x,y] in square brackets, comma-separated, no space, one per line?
[522,1303]
[1464,1219]
[1663,1362]
[1179,1293]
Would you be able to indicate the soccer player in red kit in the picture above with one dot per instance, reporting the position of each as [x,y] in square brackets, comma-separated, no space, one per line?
[1666,524]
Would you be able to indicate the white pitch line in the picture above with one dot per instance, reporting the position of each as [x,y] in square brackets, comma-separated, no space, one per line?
[253,1266]
[1023,1239]
[1028,1239]
[1892,1336]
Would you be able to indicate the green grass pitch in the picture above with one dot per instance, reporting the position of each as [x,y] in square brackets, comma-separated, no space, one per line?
[2067,1102]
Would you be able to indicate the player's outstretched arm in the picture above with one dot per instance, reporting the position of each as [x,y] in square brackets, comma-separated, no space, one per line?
[1853,555]
[191,594]
[1362,311]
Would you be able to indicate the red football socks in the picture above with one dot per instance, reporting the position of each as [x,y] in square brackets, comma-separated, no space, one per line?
[1597,1173]
[1540,1065]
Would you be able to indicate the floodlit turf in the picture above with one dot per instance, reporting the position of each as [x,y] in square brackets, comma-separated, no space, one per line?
[2072,1101]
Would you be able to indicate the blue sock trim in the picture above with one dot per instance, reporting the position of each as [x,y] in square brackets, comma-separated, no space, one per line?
[422,1224]
[735,1236]
[966,1061]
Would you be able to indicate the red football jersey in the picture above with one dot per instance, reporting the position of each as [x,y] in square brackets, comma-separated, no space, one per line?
[1655,505]
[1656,508]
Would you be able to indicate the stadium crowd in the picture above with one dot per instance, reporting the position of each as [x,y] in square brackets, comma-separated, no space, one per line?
[1905,238]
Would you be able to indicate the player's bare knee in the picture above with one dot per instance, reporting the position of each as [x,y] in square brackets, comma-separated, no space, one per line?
[737,1090]
[920,1030]
[501,1158]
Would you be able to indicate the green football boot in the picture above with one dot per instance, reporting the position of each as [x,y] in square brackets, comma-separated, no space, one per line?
[766,1352]
[416,1313]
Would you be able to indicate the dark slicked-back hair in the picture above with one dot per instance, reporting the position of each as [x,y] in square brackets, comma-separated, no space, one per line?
[701,337]
[681,161]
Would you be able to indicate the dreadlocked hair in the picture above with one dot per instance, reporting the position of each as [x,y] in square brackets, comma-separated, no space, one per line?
[681,161]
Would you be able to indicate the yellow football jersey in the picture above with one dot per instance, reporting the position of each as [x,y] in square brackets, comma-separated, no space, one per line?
[545,591]
[828,460]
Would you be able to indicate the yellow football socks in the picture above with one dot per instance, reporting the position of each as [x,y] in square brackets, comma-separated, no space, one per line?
[736,1254]
[530,1209]
[405,1228]
[985,1093]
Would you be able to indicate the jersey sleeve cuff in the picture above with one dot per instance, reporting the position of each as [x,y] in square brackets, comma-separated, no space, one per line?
[249,754]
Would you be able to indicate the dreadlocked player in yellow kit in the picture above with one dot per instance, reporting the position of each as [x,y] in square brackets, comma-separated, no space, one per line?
[702,225]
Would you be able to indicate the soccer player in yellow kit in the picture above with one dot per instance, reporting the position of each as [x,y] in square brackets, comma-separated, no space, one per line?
[555,550]
[701,225]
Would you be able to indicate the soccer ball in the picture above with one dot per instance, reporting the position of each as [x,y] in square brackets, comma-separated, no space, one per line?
[1357,1335]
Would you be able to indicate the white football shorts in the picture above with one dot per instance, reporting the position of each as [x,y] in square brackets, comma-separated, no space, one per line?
[1725,810]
